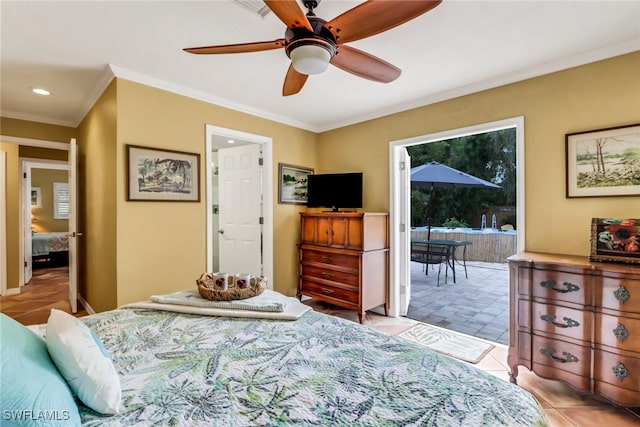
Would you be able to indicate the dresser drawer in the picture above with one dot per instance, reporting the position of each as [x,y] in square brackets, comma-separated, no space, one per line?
[563,321]
[562,355]
[618,332]
[561,286]
[328,291]
[621,371]
[331,258]
[619,294]
[331,275]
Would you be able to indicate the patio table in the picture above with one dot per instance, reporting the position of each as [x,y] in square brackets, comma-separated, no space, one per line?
[453,245]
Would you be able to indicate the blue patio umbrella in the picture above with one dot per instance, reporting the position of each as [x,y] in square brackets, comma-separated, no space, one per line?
[436,175]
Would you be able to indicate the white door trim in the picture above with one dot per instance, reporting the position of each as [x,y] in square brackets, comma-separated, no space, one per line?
[3,223]
[267,196]
[30,143]
[395,192]
[26,164]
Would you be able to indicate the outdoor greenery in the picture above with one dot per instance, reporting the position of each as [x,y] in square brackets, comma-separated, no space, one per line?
[490,156]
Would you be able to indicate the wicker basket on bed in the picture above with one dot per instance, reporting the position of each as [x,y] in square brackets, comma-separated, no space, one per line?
[206,289]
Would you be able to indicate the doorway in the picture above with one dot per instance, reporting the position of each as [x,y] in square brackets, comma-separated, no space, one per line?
[23,203]
[400,230]
[247,204]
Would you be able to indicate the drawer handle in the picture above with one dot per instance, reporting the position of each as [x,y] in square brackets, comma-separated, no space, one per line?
[621,294]
[327,291]
[620,371]
[569,358]
[569,287]
[327,275]
[550,318]
[327,258]
[621,332]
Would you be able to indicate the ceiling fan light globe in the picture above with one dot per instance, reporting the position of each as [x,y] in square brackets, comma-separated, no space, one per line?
[310,59]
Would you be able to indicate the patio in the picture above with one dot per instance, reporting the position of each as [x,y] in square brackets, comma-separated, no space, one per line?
[476,306]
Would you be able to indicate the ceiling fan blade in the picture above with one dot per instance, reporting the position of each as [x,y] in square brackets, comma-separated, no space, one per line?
[290,13]
[364,65]
[376,16]
[236,48]
[293,82]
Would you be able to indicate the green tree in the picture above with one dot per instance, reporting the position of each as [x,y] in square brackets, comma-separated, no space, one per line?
[490,156]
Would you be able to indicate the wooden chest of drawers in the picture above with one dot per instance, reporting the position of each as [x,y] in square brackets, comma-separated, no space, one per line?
[344,259]
[578,322]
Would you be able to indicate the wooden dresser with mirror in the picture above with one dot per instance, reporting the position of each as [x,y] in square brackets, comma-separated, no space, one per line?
[576,321]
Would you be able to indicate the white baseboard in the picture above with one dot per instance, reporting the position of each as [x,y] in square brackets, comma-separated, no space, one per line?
[12,291]
[86,305]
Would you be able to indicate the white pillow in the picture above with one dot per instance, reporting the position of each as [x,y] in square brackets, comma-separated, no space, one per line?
[83,362]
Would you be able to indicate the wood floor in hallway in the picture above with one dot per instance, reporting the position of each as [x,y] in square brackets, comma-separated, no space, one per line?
[48,288]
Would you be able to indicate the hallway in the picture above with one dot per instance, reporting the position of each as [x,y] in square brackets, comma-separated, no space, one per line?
[48,288]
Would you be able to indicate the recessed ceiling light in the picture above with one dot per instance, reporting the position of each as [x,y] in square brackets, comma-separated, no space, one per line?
[40,91]
[230,141]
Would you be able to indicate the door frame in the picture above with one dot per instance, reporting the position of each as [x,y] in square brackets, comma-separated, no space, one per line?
[55,145]
[26,164]
[267,192]
[3,223]
[395,193]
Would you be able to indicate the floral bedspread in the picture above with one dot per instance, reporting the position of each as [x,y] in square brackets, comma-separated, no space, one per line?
[43,243]
[187,370]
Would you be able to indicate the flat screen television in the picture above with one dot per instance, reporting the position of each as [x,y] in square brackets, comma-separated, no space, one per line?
[335,190]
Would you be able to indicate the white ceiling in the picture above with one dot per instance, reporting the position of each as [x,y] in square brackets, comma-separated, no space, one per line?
[73,48]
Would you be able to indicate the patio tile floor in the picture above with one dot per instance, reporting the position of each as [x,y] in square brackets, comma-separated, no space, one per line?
[477,305]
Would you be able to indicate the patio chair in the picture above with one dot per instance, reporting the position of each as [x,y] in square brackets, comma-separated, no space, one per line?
[432,254]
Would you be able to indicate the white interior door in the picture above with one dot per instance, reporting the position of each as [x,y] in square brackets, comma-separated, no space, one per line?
[240,193]
[404,246]
[26,215]
[73,226]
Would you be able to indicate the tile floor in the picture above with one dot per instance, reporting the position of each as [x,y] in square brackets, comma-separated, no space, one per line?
[477,305]
[563,406]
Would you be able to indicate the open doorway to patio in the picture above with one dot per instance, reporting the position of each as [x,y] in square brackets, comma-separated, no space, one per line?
[476,304]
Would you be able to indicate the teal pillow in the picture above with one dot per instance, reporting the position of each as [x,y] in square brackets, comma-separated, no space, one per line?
[32,391]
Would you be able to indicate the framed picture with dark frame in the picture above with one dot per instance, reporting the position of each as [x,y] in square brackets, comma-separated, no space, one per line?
[155,174]
[292,184]
[36,197]
[615,240]
[603,162]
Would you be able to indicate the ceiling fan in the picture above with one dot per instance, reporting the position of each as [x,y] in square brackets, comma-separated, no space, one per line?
[313,43]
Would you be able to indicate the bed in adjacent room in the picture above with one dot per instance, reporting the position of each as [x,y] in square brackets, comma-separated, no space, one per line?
[50,249]
[185,369]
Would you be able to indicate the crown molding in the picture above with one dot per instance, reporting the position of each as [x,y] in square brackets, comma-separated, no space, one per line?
[92,97]
[561,64]
[144,79]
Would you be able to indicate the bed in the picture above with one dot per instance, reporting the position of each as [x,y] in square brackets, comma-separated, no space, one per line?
[183,369]
[50,248]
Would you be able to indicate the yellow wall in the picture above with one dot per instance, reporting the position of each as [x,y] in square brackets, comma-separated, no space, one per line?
[134,249]
[36,130]
[598,95]
[161,246]
[13,214]
[43,216]
[97,203]
[33,130]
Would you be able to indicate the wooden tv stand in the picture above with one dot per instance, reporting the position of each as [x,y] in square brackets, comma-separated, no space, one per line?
[344,259]
[576,321]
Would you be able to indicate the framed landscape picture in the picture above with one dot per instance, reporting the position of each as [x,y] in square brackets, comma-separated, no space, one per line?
[162,175]
[604,162]
[615,240]
[292,184]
